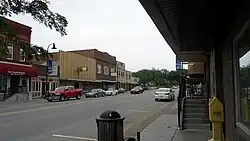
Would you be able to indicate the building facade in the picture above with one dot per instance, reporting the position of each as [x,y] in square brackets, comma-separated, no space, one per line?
[15,70]
[75,69]
[121,74]
[222,42]
[124,77]
[105,67]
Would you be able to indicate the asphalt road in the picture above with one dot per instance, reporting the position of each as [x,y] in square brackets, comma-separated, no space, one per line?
[75,120]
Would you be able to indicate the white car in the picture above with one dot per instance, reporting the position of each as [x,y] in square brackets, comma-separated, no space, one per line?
[110,92]
[164,94]
[175,87]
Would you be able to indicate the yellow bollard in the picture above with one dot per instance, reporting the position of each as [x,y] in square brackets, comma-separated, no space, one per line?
[216,116]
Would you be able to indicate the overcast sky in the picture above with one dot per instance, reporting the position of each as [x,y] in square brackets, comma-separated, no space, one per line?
[119,27]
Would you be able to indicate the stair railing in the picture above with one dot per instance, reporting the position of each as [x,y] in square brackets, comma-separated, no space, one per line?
[180,102]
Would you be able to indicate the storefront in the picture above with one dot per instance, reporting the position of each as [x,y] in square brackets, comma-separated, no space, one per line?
[38,84]
[15,78]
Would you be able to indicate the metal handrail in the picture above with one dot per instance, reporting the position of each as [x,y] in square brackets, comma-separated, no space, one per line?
[180,100]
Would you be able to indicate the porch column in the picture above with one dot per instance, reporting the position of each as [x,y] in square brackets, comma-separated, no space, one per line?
[228,92]
[218,73]
[207,77]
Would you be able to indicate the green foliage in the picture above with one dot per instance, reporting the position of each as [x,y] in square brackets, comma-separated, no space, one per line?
[38,9]
[245,76]
[158,77]
[34,52]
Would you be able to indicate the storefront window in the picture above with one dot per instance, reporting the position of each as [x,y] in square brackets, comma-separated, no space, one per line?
[244,86]
[35,85]
[2,84]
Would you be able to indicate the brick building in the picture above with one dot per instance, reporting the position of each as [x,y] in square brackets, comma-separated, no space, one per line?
[15,71]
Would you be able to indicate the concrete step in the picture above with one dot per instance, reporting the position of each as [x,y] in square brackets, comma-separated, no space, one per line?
[196,115]
[196,121]
[197,126]
[195,110]
[195,105]
[195,101]
[196,97]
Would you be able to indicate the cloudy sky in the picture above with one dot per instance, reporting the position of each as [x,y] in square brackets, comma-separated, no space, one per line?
[119,27]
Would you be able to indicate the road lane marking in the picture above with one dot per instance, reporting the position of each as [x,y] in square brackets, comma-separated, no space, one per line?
[51,107]
[139,111]
[74,137]
[45,108]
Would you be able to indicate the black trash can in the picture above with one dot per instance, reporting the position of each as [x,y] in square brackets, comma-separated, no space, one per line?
[110,126]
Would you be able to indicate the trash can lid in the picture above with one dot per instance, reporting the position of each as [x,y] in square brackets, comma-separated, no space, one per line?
[110,114]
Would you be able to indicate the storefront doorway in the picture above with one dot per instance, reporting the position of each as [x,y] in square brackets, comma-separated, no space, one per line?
[14,83]
[76,85]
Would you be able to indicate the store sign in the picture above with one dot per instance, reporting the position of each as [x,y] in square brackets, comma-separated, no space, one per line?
[16,73]
[113,74]
[54,69]
[178,64]
[112,70]
[50,66]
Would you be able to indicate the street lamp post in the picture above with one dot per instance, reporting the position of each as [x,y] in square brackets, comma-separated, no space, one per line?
[47,59]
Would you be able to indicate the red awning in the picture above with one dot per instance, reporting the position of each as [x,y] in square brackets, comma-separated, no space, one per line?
[17,69]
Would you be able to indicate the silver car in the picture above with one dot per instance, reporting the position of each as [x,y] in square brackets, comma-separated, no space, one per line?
[164,94]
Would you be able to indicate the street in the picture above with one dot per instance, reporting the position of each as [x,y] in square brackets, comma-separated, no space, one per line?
[75,120]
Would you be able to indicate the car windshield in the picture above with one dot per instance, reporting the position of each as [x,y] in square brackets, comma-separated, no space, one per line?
[163,90]
[110,89]
[94,90]
[61,88]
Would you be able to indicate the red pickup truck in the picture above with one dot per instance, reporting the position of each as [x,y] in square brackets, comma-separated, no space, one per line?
[63,93]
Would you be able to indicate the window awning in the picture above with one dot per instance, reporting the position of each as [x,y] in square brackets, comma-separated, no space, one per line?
[7,68]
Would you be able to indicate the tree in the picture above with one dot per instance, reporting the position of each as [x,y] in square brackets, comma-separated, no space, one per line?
[245,76]
[159,77]
[40,11]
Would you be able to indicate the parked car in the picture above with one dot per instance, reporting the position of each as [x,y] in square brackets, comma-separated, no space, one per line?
[174,87]
[63,93]
[164,94]
[95,93]
[121,90]
[137,90]
[111,91]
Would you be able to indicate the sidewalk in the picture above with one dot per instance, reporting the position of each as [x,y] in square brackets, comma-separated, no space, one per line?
[5,104]
[165,129]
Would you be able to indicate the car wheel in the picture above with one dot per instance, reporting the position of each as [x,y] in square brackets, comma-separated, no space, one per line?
[78,96]
[62,98]
[156,99]
[50,100]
